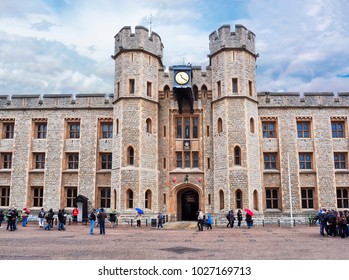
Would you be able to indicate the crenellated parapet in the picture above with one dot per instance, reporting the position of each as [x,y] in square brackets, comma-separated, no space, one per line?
[306,99]
[55,101]
[242,38]
[125,40]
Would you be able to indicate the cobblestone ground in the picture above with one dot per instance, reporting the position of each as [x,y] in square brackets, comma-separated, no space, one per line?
[146,243]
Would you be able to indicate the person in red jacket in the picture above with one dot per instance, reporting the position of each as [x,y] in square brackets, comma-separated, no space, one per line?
[75,214]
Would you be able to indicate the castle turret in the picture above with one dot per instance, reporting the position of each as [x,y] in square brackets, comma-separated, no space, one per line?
[235,117]
[137,62]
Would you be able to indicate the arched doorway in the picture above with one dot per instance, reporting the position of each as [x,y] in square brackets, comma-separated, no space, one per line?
[187,204]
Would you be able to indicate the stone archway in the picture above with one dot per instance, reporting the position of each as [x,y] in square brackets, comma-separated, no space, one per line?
[187,204]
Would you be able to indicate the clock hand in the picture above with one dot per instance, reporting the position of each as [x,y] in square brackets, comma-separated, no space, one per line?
[184,78]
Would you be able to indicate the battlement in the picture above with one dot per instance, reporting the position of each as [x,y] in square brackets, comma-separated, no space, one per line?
[242,38]
[306,99]
[140,40]
[56,101]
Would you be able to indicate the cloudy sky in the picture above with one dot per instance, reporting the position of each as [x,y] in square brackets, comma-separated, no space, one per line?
[64,46]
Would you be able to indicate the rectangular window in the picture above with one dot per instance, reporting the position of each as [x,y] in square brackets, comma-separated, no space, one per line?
[187,128]
[307,198]
[250,89]
[38,196]
[179,159]
[272,200]
[5,196]
[195,123]
[195,159]
[270,161]
[39,161]
[40,130]
[187,159]
[209,199]
[219,89]
[73,161]
[340,160]
[305,161]
[179,128]
[117,89]
[208,163]
[269,130]
[131,87]
[342,198]
[8,130]
[106,161]
[207,131]
[74,130]
[71,193]
[164,163]
[164,198]
[107,130]
[105,197]
[164,131]
[235,85]
[337,129]
[303,129]
[6,159]
[149,86]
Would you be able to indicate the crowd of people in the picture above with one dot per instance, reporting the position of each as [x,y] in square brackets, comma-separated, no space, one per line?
[333,223]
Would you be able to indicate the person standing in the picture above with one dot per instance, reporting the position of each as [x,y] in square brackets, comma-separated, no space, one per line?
[2,217]
[160,220]
[138,219]
[25,214]
[209,221]
[92,219]
[248,220]
[200,220]
[41,217]
[48,218]
[101,221]
[61,219]
[231,218]
[75,214]
[239,214]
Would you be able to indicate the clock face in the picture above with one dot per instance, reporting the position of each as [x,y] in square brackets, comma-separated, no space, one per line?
[182,78]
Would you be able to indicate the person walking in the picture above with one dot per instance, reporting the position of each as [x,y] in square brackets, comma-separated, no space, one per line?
[75,214]
[48,218]
[160,220]
[92,219]
[101,221]
[41,217]
[200,220]
[239,214]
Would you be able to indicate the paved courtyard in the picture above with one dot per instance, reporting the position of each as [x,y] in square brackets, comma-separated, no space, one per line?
[146,243]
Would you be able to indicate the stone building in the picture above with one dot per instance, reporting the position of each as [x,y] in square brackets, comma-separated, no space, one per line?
[233,148]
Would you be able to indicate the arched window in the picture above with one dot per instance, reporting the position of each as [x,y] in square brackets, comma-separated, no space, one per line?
[130,155]
[148,126]
[204,91]
[221,200]
[129,197]
[238,199]
[167,92]
[147,200]
[255,200]
[237,155]
[196,93]
[251,125]
[220,125]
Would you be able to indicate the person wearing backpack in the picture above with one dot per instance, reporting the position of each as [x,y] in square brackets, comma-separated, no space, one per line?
[160,220]
[92,219]
[323,217]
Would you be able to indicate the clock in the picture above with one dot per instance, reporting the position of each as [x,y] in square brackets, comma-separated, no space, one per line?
[182,78]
